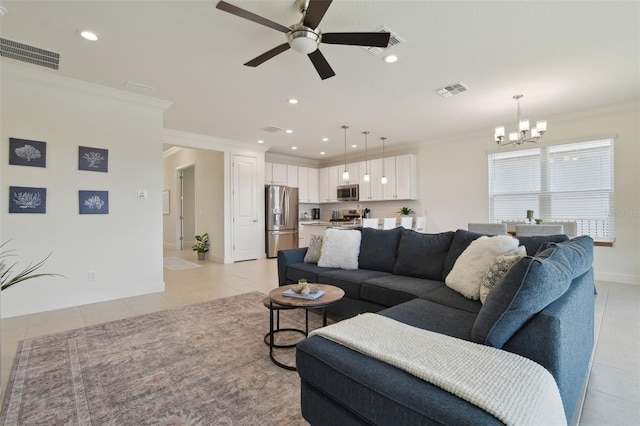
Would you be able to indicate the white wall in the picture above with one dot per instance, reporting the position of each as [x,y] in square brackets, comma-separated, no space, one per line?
[209,197]
[453,181]
[124,248]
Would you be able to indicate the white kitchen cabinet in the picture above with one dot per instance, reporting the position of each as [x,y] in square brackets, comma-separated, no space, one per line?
[275,174]
[323,176]
[292,176]
[308,185]
[335,176]
[375,169]
[328,182]
[353,170]
[365,187]
[402,177]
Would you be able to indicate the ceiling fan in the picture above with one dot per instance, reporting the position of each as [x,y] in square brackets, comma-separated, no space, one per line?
[304,37]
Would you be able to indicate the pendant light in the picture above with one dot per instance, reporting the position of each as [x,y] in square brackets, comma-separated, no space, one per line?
[345,174]
[383,180]
[366,177]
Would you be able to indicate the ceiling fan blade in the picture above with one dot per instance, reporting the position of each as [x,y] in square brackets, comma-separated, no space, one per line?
[235,10]
[357,39]
[321,64]
[267,55]
[315,12]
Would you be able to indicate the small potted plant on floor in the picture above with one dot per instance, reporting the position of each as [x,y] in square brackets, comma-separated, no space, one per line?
[202,245]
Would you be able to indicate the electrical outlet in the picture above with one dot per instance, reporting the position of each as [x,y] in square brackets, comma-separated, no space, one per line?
[92,275]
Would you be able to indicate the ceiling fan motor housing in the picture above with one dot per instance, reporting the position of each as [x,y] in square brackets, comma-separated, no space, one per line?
[303,39]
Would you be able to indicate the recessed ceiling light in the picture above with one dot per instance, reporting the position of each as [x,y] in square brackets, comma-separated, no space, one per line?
[325,139]
[260,141]
[322,152]
[289,131]
[294,147]
[354,146]
[293,101]
[88,35]
[390,59]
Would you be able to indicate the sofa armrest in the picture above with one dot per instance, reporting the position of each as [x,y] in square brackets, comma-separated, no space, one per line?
[286,258]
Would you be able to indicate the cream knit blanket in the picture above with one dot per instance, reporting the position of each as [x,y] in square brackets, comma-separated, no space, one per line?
[514,389]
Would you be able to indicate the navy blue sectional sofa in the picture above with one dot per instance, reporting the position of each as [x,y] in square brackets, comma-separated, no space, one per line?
[541,309]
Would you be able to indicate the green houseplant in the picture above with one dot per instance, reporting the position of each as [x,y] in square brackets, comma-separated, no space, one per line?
[7,278]
[202,245]
[405,211]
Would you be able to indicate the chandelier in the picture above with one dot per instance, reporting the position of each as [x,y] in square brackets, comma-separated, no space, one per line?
[522,135]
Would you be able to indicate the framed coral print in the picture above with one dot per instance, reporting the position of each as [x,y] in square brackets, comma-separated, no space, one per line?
[93,159]
[94,202]
[23,199]
[23,152]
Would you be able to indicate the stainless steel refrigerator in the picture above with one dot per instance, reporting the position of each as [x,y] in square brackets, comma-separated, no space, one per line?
[281,218]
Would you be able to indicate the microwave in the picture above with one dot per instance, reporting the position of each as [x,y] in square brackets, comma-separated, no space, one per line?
[348,192]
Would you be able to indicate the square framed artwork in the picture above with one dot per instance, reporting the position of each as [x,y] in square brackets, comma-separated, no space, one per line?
[93,159]
[24,199]
[93,202]
[23,152]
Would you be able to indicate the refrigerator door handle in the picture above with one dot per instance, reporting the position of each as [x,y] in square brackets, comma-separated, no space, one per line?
[286,207]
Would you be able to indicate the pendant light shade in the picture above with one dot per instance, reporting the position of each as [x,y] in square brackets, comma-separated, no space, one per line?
[367,176]
[345,173]
[383,180]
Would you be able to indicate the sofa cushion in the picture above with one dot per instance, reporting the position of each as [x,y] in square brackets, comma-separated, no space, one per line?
[340,248]
[473,264]
[350,280]
[422,255]
[433,317]
[578,251]
[390,290]
[461,240]
[379,248]
[307,271]
[445,296]
[526,289]
[534,243]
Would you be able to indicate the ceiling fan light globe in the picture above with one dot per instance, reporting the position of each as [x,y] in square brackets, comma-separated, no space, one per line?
[303,41]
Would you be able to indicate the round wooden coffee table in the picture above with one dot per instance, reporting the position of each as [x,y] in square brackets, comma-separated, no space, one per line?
[277,301]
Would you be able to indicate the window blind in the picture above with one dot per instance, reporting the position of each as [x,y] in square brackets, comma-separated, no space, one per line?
[569,182]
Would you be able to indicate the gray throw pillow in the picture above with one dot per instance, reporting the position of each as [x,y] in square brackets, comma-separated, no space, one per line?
[527,288]
[314,250]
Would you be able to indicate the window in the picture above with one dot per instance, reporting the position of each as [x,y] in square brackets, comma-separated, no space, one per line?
[570,182]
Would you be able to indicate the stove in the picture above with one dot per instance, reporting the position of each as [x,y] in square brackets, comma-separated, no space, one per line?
[348,216]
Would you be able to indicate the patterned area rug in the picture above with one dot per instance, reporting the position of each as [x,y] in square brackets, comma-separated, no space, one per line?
[176,264]
[203,364]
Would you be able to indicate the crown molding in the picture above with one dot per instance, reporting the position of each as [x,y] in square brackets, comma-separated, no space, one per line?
[49,81]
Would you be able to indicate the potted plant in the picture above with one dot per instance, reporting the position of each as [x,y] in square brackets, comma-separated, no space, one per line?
[405,211]
[202,245]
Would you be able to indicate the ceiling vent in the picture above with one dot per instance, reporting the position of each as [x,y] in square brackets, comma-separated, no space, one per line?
[30,54]
[393,40]
[138,87]
[452,89]
[273,129]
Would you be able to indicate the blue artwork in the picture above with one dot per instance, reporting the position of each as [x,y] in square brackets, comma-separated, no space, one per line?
[23,152]
[93,159]
[24,199]
[94,202]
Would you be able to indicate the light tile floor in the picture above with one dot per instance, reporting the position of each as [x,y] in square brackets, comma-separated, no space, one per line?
[613,393]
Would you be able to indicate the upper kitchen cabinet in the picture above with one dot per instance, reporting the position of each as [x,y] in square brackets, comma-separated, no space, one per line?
[329,183]
[275,174]
[402,178]
[292,176]
[308,185]
[372,190]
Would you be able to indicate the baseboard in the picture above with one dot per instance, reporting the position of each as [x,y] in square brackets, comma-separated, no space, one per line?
[617,278]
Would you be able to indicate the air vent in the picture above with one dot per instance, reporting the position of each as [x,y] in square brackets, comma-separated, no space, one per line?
[452,89]
[138,87]
[30,54]
[273,129]
[393,40]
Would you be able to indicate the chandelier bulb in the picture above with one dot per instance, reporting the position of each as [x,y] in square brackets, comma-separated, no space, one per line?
[367,177]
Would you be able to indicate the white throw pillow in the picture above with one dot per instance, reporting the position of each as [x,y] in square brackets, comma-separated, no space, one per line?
[340,248]
[472,265]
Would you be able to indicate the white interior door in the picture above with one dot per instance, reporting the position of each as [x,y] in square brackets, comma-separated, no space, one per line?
[245,208]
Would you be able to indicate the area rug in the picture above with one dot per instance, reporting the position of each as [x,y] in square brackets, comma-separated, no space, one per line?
[203,364]
[177,264]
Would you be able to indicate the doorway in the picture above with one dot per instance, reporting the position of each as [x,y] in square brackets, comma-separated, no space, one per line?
[187,206]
